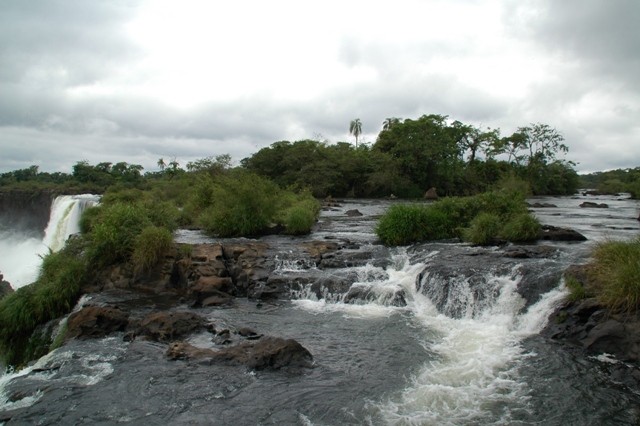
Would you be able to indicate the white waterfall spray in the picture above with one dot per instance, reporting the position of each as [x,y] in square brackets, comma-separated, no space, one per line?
[21,254]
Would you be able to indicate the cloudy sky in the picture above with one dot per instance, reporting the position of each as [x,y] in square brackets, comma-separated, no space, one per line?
[137,80]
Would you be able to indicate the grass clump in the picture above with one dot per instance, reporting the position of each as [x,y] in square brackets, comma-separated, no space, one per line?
[152,243]
[577,291]
[614,275]
[483,230]
[521,228]
[404,224]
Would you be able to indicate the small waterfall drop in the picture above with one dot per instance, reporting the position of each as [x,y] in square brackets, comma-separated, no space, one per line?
[474,336]
[21,253]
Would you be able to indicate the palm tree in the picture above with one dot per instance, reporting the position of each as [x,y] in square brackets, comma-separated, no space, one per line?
[389,123]
[355,128]
[162,164]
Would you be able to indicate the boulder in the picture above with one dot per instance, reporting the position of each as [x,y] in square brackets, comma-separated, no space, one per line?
[541,205]
[353,213]
[95,321]
[431,194]
[553,233]
[168,326]
[267,353]
[592,205]
[211,291]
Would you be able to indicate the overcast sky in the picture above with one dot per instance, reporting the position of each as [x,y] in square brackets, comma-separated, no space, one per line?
[138,80]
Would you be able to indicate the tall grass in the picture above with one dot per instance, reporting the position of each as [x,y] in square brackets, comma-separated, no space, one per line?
[521,227]
[152,243]
[614,275]
[52,295]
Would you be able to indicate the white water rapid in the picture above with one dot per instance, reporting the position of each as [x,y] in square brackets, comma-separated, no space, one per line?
[472,377]
[21,251]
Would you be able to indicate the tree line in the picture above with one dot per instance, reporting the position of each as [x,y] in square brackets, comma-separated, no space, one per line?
[411,156]
[408,157]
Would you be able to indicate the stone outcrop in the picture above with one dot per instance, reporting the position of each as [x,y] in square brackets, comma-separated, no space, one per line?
[95,321]
[554,233]
[592,205]
[169,326]
[267,353]
[589,328]
[431,194]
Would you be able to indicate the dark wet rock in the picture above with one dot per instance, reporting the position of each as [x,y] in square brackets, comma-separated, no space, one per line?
[368,293]
[531,252]
[353,213]
[592,205]
[248,265]
[5,287]
[541,205]
[319,248]
[211,291]
[267,353]
[554,233]
[587,325]
[168,326]
[431,194]
[357,256]
[95,321]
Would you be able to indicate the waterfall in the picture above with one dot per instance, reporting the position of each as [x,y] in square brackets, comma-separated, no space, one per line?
[21,253]
[64,220]
[473,328]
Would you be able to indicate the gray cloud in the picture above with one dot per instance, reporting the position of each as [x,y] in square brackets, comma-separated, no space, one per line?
[52,48]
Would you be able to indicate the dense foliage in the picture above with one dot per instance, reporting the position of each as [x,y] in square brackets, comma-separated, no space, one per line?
[411,156]
[479,219]
[614,181]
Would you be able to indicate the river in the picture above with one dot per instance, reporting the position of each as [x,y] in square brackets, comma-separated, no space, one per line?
[476,359]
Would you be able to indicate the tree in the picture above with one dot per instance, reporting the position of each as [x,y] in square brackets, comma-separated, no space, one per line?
[390,122]
[355,128]
[162,164]
[474,139]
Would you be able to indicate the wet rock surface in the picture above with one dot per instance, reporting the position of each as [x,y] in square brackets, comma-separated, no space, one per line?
[588,328]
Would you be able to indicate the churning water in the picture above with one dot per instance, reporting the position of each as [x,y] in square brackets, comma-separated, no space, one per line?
[473,359]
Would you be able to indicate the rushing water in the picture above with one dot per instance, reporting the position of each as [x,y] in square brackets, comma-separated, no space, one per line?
[22,249]
[375,363]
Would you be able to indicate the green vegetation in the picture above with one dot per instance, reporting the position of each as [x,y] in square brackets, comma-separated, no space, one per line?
[614,181]
[614,275]
[521,228]
[483,229]
[477,219]
[411,156]
[52,295]
[576,289]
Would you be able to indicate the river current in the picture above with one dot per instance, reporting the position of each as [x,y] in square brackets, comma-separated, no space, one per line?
[374,363]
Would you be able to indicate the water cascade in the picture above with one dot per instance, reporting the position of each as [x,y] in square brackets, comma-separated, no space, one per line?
[22,251]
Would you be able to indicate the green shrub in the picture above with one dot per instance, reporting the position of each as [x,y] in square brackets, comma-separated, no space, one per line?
[244,204]
[614,275]
[405,224]
[520,228]
[299,220]
[484,228]
[150,245]
[114,234]
[88,219]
